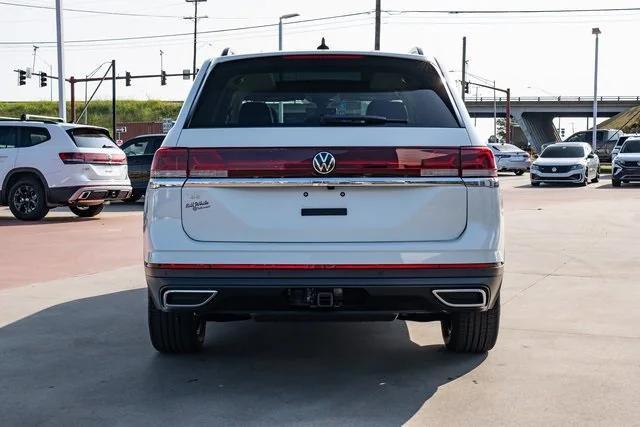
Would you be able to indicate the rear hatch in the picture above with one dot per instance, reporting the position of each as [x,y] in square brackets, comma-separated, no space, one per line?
[321,148]
[101,158]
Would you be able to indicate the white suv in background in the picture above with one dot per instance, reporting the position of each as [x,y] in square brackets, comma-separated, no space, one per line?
[323,185]
[45,163]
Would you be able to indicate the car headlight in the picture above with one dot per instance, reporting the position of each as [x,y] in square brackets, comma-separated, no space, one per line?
[577,167]
[618,163]
[535,167]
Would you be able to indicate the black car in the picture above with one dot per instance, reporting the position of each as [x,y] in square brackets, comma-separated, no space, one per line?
[140,151]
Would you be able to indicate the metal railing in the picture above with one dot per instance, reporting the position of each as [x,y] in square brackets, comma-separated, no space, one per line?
[490,98]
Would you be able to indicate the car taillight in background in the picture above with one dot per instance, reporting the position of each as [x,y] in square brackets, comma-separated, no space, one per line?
[297,162]
[93,158]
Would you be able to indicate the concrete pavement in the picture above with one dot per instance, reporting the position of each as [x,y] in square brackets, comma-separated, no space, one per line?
[74,348]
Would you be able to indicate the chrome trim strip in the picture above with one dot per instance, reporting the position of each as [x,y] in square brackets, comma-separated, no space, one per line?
[321,182]
[187,291]
[491,182]
[453,291]
[155,183]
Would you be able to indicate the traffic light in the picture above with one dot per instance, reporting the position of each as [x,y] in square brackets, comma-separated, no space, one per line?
[127,78]
[163,78]
[43,79]
[22,77]
[466,87]
[561,132]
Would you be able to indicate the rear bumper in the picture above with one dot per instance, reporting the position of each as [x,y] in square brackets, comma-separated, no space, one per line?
[88,194]
[273,293]
[509,165]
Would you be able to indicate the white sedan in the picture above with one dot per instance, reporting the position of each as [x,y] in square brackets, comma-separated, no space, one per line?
[568,162]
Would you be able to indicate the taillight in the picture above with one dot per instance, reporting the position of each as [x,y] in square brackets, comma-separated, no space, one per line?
[93,158]
[169,163]
[477,162]
[298,162]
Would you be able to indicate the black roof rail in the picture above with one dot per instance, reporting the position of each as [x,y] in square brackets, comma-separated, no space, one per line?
[416,51]
[44,119]
[227,51]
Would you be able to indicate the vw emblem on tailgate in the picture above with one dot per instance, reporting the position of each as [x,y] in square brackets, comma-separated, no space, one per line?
[324,162]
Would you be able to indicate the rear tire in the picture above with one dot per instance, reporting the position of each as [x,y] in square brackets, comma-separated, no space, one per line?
[27,199]
[175,332]
[616,182]
[87,211]
[472,332]
[597,178]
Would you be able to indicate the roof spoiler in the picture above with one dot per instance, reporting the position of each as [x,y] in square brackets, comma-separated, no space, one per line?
[416,51]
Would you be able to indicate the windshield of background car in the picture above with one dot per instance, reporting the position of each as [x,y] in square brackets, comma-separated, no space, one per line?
[632,146]
[560,152]
[586,136]
[91,138]
[324,90]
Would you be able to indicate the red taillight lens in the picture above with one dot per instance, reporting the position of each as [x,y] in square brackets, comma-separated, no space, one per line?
[477,162]
[297,162]
[169,163]
[93,158]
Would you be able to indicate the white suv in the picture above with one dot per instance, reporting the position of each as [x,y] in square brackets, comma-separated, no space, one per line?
[323,185]
[45,163]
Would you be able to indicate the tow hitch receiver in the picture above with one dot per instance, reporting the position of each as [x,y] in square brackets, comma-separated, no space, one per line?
[315,298]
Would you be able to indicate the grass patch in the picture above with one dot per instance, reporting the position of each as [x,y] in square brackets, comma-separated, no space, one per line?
[99,111]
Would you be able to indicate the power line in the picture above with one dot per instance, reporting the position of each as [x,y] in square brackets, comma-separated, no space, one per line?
[98,12]
[516,11]
[158,36]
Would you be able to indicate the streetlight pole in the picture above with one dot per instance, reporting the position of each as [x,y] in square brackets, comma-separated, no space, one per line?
[283,17]
[195,18]
[62,107]
[595,31]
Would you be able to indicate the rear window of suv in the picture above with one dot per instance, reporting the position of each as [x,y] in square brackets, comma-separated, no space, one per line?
[324,90]
[91,138]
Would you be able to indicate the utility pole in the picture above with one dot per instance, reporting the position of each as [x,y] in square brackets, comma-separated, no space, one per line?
[62,108]
[376,43]
[464,66]
[113,96]
[161,65]
[195,18]
[594,133]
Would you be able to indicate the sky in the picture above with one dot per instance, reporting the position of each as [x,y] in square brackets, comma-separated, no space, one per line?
[532,54]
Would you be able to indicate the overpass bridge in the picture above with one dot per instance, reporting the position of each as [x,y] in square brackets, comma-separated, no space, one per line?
[535,114]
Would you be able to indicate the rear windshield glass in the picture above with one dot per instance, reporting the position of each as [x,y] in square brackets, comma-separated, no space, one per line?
[312,90]
[505,147]
[632,146]
[91,138]
[556,152]
[587,136]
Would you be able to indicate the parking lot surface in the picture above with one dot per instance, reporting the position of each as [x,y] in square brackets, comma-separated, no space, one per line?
[74,346]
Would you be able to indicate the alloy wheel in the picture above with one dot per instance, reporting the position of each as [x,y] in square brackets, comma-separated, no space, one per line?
[26,199]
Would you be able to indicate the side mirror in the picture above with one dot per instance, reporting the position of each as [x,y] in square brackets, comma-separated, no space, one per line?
[590,156]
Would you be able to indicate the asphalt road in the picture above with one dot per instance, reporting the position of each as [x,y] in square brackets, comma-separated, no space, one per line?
[74,348]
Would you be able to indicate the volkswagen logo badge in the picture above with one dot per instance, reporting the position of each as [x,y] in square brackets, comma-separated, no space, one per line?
[554,169]
[109,158]
[324,162]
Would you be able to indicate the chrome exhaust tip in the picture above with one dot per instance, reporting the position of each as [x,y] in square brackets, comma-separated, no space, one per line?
[187,298]
[84,195]
[462,298]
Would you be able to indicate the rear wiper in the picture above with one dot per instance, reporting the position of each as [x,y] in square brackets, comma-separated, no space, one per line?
[359,120]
